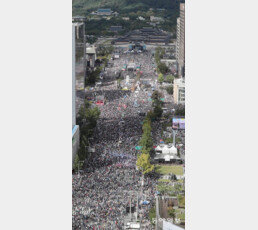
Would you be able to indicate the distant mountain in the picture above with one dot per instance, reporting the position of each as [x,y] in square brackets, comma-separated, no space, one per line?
[83,7]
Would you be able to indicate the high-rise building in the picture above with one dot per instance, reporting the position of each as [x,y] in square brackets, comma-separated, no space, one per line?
[179,91]
[75,128]
[178,39]
[181,41]
[73,79]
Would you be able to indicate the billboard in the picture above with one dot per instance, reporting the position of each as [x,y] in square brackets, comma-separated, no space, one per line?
[178,123]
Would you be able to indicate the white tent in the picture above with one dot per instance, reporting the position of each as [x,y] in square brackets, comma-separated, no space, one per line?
[165,150]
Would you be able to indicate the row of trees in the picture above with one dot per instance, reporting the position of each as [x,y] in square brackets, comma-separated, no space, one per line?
[87,121]
[105,50]
[143,160]
[156,111]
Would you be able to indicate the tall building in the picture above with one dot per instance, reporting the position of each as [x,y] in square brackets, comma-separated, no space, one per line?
[75,128]
[73,78]
[181,41]
[179,91]
[178,38]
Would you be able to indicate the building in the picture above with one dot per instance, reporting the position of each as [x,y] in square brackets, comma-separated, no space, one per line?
[179,91]
[75,128]
[141,18]
[106,12]
[178,39]
[91,56]
[156,19]
[79,23]
[181,40]
[126,18]
[116,28]
[79,28]
[147,35]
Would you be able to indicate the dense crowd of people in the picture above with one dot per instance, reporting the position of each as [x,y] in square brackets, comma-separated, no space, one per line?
[101,193]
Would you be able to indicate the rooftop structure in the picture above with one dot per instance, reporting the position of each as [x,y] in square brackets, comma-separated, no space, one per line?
[156,19]
[91,56]
[79,19]
[115,28]
[126,18]
[104,12]
[146,35]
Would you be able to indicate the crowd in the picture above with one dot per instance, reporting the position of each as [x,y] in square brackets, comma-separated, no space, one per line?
[101,193]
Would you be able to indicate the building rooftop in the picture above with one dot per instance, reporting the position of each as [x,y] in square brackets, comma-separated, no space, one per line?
[104,10]
[90,50]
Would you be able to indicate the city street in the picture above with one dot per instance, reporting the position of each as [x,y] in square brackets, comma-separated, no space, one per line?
[102,192]
[101,197]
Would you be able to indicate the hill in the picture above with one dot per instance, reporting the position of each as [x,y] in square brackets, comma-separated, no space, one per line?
[167,9]
[83,7]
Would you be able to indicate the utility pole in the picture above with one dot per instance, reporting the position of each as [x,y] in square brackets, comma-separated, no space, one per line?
[157,213]
[137,207]
[174,137]
[130,209]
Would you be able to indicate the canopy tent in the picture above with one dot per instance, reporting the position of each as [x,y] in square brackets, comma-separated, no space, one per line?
[166,149]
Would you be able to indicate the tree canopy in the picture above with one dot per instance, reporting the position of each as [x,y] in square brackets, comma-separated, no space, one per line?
[143,162]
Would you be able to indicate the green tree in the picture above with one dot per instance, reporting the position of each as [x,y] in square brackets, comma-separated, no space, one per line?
[92,115]
[157,111]
[181,201]
[170,79]
[162,68]
[171,212]
[146,139]
[77,164]
[156,95]
[170,90]
[180,111]
[146,142]
[160,78]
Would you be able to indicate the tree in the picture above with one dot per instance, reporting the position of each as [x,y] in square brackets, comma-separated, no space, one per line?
[181,201]
[171,212]
[92,115]
[77,164]
[180,111]
[146,142]
[170,90]
[170,79]
[156,95]
[143,162]
[146,139]
[162,68]
[160,78]
[157,111]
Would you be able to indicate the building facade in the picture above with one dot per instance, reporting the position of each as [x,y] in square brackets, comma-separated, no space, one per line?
[178,39]
[75,128]
[181,41]
[179,91]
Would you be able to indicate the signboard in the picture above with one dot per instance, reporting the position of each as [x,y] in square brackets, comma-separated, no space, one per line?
[178,123]
[138,147]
